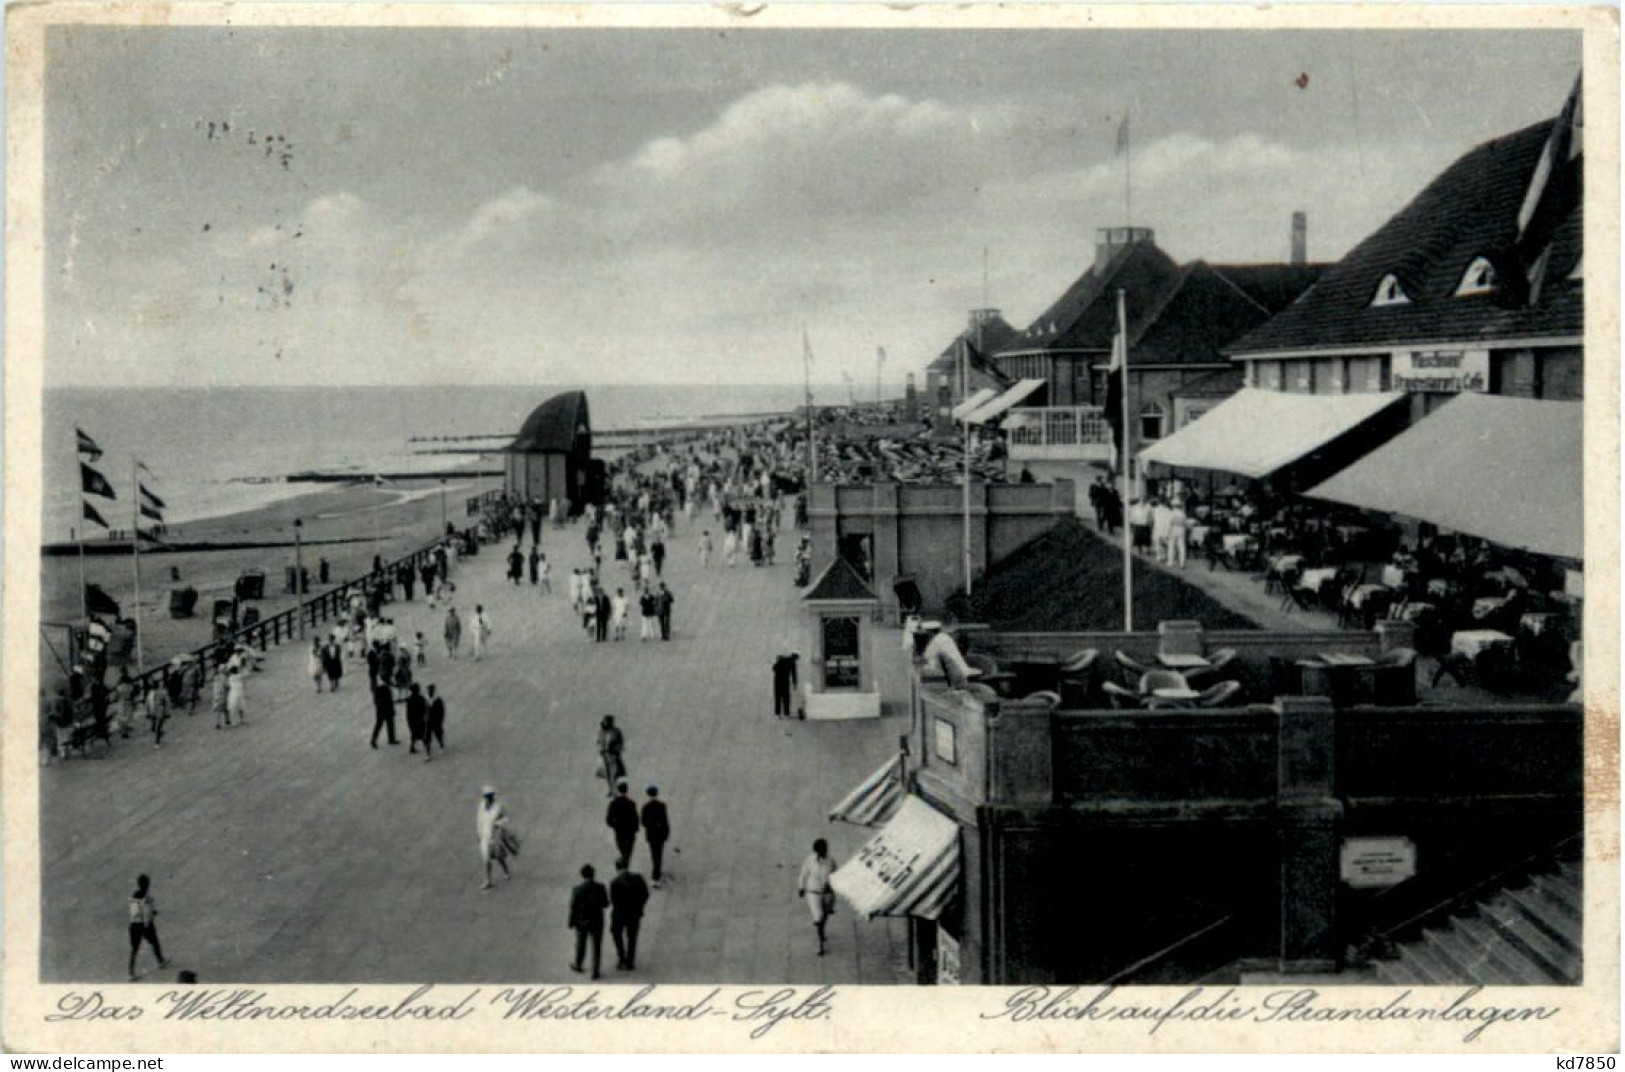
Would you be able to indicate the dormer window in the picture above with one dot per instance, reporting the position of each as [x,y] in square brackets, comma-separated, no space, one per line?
[1478,279]
[1389,292]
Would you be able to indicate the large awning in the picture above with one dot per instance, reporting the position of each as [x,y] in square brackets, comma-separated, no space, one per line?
[910,868]
[1023,390]
[1256,432]
[1504,469]
[984,394]
[875,799]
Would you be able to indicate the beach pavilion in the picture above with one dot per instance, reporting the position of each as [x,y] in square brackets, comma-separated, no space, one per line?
[551,457]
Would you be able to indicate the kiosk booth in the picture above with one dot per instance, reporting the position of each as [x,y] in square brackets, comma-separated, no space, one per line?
[841,610]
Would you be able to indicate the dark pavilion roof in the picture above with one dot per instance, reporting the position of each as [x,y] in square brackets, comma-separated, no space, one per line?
[839,581]
[996,333]
[553,425]
[1177,314]
[1468,212]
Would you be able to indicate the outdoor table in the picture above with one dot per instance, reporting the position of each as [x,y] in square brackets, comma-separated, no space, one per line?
[1360,594]
[1470,642]
[1237,541]
[1344,658]
[1314,578]
[1278,532]
[1199,534]
[1538,622]
[1440,587]
[1175,694]
[1287,563]
[1412,612]
[1177,661]
[1488,605]
[1394,576]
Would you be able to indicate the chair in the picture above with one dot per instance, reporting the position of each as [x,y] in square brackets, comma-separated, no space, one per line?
[1132,670]
[1053,699]
[1119,697]
[1077,679]
[1153,680]
[1080,662]
[1221,695]
[1215,664]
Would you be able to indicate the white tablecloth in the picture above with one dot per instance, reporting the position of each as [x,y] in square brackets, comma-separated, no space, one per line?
[1394,577]
[1287,563]
[1314,578]
[1470,642]
[1237,541]
[1358,597]
[1483,608]
[1537,623]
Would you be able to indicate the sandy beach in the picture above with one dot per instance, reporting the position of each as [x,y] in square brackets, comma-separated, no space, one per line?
[339,524]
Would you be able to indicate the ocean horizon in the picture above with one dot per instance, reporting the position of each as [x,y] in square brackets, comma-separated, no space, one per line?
[213,451]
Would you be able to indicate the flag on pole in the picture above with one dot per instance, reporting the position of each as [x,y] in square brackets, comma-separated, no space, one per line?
[149,512]
[1556,188]
[87,446]
[92,482]
[1114,392]
[91,514]
[149,499]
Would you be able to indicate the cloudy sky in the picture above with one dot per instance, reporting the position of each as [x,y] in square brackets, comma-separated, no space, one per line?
[638,206]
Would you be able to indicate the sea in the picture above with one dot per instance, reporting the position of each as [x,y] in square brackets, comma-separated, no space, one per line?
[215,451]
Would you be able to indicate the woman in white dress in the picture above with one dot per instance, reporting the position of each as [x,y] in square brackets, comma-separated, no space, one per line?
[618,613]
[236,697]
[489,821]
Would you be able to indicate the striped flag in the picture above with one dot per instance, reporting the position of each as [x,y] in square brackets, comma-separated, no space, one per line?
[86,445]
[876,799]
[149,512]
[92,514]
[149,499]
[92,482]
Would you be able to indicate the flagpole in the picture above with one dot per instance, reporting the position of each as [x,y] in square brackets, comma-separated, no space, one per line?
[135,551]
[84,601]
[1123,463]
[1128,181]
[964,393]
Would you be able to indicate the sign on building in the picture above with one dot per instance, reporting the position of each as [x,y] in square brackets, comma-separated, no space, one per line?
[1370,863]
[1441,371]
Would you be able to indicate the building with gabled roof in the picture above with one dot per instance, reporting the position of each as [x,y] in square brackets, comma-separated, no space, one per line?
[551,457]
[986,333]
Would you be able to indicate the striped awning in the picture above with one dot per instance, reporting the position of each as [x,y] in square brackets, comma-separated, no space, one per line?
[996,407]
[910,868]
[985,394]
[876,798]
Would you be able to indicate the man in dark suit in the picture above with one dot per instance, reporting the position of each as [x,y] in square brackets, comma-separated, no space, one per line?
[628,893]
[663,604]
[601,624]
[383,706]
[587,903]
[784,681]
[657,828]
[437,719]
[417,722]
[622,818]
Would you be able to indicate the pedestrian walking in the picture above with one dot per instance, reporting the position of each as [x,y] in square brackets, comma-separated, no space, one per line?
[403,676]
[516,565]
[730,549]
[601,616]
[332,663]
[437,719]
[157,709]
[617,611]
[496,841]
[144,923]
[383,713]
[622,818]
[814,888]
[611,752]
[663,604]
[628,893]
[656,831]
[313,665]
[237,696]
[587,903]
[417,723]
[535,564]
[480,627]
[784,683]
[545,581]
[217,700]
[454,632]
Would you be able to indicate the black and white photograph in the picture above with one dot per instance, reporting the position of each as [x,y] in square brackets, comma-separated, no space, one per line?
[537,508]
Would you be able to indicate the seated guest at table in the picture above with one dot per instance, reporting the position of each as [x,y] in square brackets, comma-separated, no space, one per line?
[942,656]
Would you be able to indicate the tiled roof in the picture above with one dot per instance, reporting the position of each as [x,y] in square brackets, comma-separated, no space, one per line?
[1469,211]
[1221,383]
[1085,316]
[1274,286]
[839,581]
[995,334]
[1195,320]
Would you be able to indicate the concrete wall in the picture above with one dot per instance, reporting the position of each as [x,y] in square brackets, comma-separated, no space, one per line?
[919,529]
[1105,837]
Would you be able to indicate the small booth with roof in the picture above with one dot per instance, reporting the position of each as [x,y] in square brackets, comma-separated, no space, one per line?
[841,611]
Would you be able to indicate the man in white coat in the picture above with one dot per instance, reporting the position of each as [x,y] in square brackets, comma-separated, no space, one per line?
[480,630]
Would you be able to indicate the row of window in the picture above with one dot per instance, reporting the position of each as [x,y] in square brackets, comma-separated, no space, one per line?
[1325,375]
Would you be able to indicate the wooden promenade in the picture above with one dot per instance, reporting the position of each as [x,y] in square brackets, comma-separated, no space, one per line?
[287,850]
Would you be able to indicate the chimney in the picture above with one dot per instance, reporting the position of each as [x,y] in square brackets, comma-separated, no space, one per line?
[1109,241]
[1300,238]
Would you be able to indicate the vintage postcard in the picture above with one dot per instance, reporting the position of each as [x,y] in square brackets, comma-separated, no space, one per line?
[811,528]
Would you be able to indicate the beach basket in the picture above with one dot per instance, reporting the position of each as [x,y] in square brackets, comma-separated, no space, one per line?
[251,584]
[182,602]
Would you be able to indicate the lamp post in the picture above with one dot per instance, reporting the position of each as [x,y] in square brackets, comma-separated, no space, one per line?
[299,573]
